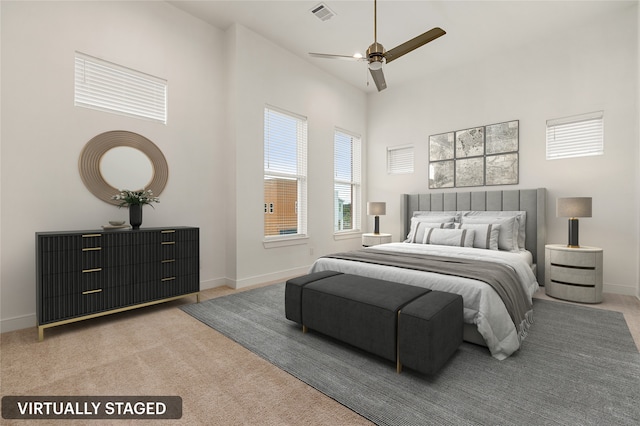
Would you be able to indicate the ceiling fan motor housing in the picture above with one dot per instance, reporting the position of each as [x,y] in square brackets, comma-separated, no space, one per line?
[375,53]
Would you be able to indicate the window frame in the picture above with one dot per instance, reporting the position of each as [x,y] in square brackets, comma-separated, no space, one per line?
[109,87]
[355,183]
[401,167]
[575,136]
[300,176]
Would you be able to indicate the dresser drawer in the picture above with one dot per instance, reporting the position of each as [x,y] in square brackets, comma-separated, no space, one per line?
[53,285]
[77,304]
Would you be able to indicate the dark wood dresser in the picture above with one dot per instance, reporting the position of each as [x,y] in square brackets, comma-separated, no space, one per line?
[85,274]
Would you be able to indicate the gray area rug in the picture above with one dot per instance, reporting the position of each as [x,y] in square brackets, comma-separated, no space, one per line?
[578,366]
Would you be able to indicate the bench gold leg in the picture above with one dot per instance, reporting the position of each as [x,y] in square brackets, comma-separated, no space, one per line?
[304,328]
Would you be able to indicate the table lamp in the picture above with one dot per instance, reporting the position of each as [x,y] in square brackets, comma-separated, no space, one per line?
[375,208]
[573,208]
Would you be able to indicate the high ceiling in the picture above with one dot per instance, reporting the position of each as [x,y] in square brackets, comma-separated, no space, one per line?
[474,29]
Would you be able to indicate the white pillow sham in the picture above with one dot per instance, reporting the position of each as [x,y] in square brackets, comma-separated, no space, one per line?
[521,221]
[434,213]
[508,235]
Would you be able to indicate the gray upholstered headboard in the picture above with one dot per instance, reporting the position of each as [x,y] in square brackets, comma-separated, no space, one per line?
[533,201]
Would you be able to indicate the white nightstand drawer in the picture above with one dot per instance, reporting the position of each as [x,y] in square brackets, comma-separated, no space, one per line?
[574,293]
[573,275]
[568,258]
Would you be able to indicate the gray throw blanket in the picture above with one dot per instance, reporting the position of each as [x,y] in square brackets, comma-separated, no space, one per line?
[500,277]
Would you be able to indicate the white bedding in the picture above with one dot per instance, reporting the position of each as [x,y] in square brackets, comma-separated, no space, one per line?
[482,305]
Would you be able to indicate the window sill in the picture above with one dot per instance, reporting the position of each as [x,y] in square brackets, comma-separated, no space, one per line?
[347,235]
[285,241]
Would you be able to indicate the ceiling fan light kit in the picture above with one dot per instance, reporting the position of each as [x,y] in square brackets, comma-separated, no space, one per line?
[376,55]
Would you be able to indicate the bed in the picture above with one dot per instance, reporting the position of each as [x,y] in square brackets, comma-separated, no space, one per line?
[488,313]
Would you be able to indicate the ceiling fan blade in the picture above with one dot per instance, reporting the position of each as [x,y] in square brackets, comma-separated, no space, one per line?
[378,78]
[329,56]
[413,44]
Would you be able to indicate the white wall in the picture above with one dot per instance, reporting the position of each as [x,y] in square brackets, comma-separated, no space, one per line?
[263,73]
[43,133]
[585,69]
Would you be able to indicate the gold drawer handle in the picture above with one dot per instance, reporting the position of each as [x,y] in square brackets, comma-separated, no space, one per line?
[168,279]
[92,291]
[168,261]
[92,270]
[168,231]
[167,242]
[91,248]
[91,235]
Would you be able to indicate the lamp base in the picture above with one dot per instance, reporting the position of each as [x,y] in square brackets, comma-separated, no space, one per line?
[573,233]
[376,225]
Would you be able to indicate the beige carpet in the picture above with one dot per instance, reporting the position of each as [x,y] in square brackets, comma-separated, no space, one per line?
[163,351]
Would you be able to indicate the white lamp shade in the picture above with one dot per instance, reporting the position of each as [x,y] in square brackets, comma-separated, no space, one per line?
[573,207]
[375,208]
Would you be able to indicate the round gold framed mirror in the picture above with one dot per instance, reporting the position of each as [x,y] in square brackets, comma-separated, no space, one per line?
[99,171]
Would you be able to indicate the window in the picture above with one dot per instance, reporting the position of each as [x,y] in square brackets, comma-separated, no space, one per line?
[576,136]
[109,87]
[285,174]
[346,152]
[400,160]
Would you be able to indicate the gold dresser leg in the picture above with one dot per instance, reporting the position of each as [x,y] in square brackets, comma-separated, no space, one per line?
[40,334]
[304,328]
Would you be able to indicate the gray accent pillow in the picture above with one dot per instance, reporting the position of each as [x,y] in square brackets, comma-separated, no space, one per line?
[486,234]
[449,237]
[420,223]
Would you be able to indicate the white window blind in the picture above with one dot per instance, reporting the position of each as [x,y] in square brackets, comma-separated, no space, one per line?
[113,88]
[575,136]
[347,181]
[400,159]
[285,173]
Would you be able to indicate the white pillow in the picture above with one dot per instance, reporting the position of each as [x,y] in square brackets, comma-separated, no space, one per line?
[439,214]
[521,218]
[419,223]
[449,237]
[508,236]
[486,234]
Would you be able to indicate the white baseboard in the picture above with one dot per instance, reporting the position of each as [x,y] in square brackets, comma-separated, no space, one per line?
[620,289]
[268,278]
[218,282]
[18,323]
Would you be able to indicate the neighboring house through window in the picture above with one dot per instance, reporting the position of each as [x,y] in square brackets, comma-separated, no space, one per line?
[347,182]
[285,174]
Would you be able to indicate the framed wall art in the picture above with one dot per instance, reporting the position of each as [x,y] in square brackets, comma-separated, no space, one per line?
[477,156]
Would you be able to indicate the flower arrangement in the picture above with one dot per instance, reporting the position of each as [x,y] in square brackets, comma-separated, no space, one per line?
[141,197]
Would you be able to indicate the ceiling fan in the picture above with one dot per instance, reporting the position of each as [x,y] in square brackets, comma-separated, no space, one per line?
[376,54]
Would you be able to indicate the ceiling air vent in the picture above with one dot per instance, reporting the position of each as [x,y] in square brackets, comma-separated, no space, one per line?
[323,12]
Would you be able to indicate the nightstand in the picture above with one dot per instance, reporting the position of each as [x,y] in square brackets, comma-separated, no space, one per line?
[375,239]
[573,274]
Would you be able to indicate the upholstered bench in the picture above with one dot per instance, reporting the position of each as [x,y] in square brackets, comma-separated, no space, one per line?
[430,330]
[364,312]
